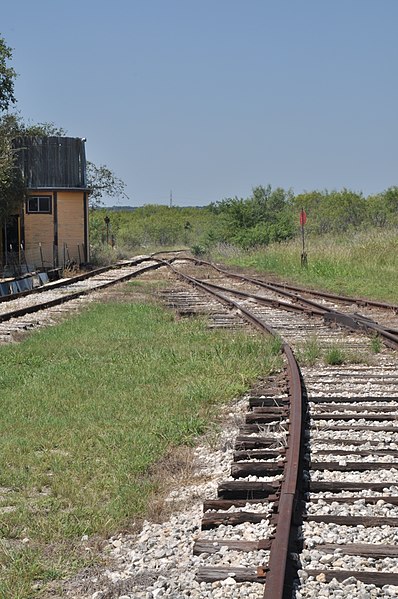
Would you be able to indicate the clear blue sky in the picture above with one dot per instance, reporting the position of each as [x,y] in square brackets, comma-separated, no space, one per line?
[210,98]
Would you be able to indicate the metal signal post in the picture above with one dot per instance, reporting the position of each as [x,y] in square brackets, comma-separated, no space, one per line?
[303,220]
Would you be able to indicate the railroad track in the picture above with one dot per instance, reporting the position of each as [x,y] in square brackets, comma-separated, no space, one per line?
[43,306]
[377,318]
[311,506]
[338,535]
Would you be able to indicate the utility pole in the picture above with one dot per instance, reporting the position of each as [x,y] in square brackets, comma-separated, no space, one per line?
[171,199]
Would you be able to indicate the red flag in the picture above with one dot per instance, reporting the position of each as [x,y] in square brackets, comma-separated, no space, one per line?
[303,217]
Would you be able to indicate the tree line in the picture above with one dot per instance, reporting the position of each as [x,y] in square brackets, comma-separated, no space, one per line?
[266,216]
[273,215]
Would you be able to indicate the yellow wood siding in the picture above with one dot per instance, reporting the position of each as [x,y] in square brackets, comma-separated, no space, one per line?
[70,224]
[39,229]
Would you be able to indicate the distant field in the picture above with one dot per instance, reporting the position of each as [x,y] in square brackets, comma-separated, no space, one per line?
[86,408]
[363,264]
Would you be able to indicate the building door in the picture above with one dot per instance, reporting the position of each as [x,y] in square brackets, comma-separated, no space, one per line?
[12,241]
[12,233]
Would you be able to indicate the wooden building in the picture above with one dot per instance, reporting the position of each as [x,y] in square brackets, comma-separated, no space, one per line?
[51,229]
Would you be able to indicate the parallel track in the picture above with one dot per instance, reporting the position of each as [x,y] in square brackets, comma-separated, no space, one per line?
[356,404]
[311,539]
[39,307]
[339,309]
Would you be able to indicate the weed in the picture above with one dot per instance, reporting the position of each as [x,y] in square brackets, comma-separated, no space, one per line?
[334,356]
[376,344]
[212,435]
[198,250]
[310,351]
[276,344]
[354,357]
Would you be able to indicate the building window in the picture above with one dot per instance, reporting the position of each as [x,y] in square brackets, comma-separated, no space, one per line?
[38,205]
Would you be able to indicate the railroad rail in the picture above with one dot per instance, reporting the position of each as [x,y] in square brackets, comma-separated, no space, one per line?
[299,303]
[17,310]
[315,463]
[348,471]
[284,493]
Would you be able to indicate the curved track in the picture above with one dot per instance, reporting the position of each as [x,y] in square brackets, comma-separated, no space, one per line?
[282,493]
[376,318]
[333,429]
[348,470]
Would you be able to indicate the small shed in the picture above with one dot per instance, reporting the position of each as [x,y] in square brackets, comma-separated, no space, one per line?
[51,229]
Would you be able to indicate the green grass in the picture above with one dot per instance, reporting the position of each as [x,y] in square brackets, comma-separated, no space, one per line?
[86,408]
[376,344]
[361,264]
[309,351]
[335,356]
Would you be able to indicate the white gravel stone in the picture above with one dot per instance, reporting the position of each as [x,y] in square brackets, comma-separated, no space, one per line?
[159,562]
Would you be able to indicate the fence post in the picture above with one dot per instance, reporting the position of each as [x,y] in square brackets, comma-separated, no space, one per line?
[55,255]
[41,255]
[23,257]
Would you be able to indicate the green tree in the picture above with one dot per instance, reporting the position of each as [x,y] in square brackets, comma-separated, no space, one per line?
[382,208]
[8,175]
[102,180]
[7,77]
[12,188]
[264,217]
[331,211]
[376,213]
[103,183]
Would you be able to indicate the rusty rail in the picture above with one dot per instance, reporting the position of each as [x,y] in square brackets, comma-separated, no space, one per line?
[280,287]
[276,576]
[328,295]
[353,322]
[275,579]
[68,297]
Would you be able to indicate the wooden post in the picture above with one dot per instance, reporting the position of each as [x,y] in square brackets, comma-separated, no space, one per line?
[107,221]
[303,220]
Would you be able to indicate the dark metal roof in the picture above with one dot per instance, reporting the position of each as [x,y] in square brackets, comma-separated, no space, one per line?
[54,188]
[52,162]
